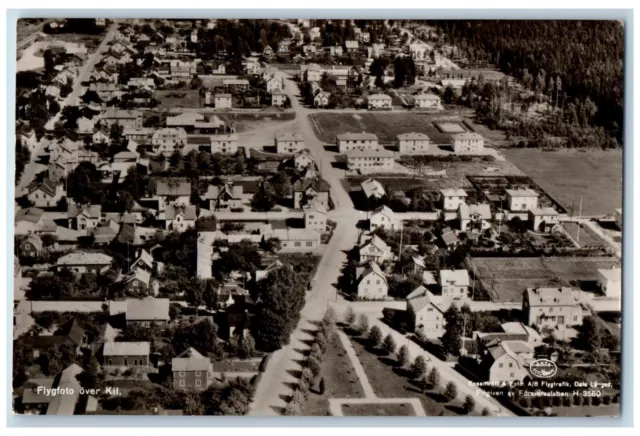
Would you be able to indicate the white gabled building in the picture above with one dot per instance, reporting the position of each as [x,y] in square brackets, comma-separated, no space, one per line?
[166,140]
[371,283]
[384,217]
[468,143]
[370,161]
[357,141]
[609,281]
[452,198]
[427,101]
[315,217]
[412,143]
[289,143]
[454,283]
[372,189]
[379,101]
[225,144]
[522,200]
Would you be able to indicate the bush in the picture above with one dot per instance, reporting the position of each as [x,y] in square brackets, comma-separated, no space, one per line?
[389,344]
[606,400]
[329,317]
[556,401]
[363,323]
[525,403]
[265,361]
[485,412]
[419,367]
[451,391]
[577,400]
[375,336]
[307,377]
[596,401]
[350,316]
[321,340]
[434,378]
[314,366]
[403,356]
[303,389]
[292,409]
[586,401]
[316,351]
[469,404]
[566,401]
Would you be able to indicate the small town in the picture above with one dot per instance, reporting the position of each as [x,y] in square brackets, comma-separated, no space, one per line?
[305,217]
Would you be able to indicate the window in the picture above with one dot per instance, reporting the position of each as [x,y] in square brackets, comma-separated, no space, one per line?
[126,362]
[181,383]
[500,365]
[198,383]
[512,375]
[297,244]
[511,365]
[309,244]
[181,373]
[198,373]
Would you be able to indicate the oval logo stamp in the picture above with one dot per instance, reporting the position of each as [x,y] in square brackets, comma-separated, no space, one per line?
[543,368]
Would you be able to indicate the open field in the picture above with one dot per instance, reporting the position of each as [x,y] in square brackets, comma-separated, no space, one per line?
[26,26]
[177,98]
[507,278]
[340,380]
[587,236]
[386,125]
[387,383]
[568,174]
[390,409]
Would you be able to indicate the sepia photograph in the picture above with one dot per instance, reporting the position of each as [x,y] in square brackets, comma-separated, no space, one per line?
[318,217]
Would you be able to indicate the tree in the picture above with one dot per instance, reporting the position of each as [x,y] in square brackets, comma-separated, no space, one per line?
[350,316]
[115,132]
[263,200]
[200,334]
[363,323]
[403,356]
[448,95]
[434,378]
[590,333]
[314,365]
[375,336]
[49,62]
[196,82]
[389,344]
[485,412]
[70,116]
[292,409]
[419,367]
[329,317]
[451,391]
[469,404]
[451,339]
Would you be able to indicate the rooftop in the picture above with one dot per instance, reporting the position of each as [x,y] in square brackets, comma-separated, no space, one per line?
[526,192]
[363,136]
[85,258]
[147,309]
[458,277]
[127,349]
[550,297]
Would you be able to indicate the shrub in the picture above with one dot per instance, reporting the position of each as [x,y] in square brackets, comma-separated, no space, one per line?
[566,401]
[329,317]
[403,356]
[434,378]
[469,404]
[316,351]
[419,367]
[596,401]
[350,316]
[292,409]
[363,323]
[485,412]
[606,400]
[586,401]
[321,340]
[577,400]
[314,365]
[375,336]
[556,401]
[389,344]
[307,376]
[299,396]
[525,403]
[451,391]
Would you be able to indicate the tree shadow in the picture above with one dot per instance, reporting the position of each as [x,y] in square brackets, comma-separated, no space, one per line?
[285,398]
[302,352]
[437,396]
[291,385]
[294,373]
[456,409]
[388,360]
[331,148]
[316,323]
[308,342]
[310,332]
[402,371]
[279,410]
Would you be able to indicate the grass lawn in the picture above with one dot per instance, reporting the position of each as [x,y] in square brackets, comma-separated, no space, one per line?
[568,174]
[507,278]
[340,380]
[390,409]
[587,236]
[387,383]
[236,365]
[386,125]
[582,411]
[176,98]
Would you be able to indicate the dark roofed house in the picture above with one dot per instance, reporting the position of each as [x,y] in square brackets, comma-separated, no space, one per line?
[75,336]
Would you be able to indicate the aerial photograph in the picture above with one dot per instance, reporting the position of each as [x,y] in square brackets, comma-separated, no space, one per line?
[318,217]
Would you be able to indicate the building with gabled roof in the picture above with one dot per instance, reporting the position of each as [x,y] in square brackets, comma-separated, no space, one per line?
[357,141]
[384,217]
[84,218]
[427,101]
[425,316]
[172,192]
[412,143]
[452,198]
[289,143]
[609,281]
[474,217]
[373,189]
[370,161]
[468,142]
[46,194]
[31,246]
[543,219]
[454,283]
[146,311]
[84,261]
[191,370]
[379,101]
[315,217]
[522,200]
[309,191]
[374,249]
[138,282]
[371,283]
[224,143]
[126,354]
[179,218]
[106,232]
[551,307]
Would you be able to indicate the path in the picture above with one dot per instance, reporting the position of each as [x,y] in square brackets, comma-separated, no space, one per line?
[335,404]
[364,381]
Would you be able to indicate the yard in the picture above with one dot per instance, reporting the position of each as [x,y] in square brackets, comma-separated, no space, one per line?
[587,236]
[389,409]
[385,125]
[179,98]
[507,278]
[388,383]
[340,380]
[569,174]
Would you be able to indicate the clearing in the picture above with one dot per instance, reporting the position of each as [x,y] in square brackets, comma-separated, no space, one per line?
[587,236]
[507,278]
[340,380]
[566,175]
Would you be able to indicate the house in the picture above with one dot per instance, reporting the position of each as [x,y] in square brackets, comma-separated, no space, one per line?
[609,281]
[56,171]
[335,50]
[138,82]
[376,50]
[618,215]
[46,194]
[372,189]
[105,233]
[143,262]
[374,249]
[452,198]
[186,120]
[179,217]
[126,354]
[289,143]
[321,99]
[84,218]
[226,196]
[100,137]
[315,217]
[370,161]
[278,98]
[139,282]
[172,192]
[296,239]
[425,316]
[303,160]
[385,218]
[114,58]
[551,307]
[283,46]
[241,84]
[351,46]
[261,274]
[86,126]
[379,101]
[412,143]
[85,262]
[427,101]
[313,73]
[454,283]
[419,51]
[308,49]
[30,247]
[357,141]
[28,138]
[310,191]
[474,217]
[73,336]
[226,144]
[128,119]
[191,371]
[105,90]
[543,219]
[32,220]
[274,84]
[467,143]
[222,101]
[252,65]
[449,238]
[505,361]
[219,69]
[146,311]
[168,139]
[522,200]
[371,283]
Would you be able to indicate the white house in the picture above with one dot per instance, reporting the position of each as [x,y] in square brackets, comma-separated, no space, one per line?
[609,281]
[370,161]
[474,217]
[454,283]
[315,217]
[166,140]
[321,99]
[619,218]
[371,283]
[226,144]
[522,200]
[427,101]
[374,249]
[274,84]
[179,218]
[357,141]
[373,189]
[222,101]
[543,219]
[412,143]
[385,218]
[379,101]
[425,315]
[467,143]
[46,194]
[278,98]
[289,143]
[452,198]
